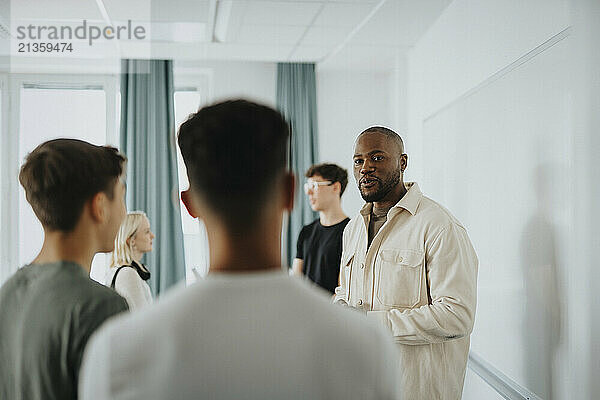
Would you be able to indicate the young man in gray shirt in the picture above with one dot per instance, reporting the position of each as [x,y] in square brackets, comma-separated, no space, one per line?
[49,309]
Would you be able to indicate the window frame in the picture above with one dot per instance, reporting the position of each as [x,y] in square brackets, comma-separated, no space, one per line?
[11,85]
[193,80]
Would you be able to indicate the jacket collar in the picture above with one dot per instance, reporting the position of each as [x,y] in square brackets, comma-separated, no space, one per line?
[409,202]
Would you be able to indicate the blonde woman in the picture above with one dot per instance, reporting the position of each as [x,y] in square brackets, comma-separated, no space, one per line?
[127,275]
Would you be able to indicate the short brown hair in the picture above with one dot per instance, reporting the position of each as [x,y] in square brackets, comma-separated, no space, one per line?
[331,172]
[60,175]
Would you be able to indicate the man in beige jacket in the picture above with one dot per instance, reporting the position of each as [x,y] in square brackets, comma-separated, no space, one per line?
[407,262]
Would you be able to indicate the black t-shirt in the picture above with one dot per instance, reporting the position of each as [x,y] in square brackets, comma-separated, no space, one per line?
[320,247]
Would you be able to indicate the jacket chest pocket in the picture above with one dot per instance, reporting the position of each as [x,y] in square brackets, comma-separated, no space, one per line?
[400,277]
[346,272]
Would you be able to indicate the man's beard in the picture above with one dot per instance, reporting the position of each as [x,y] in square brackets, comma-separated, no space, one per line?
[384,188]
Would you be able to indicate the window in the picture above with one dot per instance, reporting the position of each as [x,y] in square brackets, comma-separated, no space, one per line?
[188,101]
[49,113]
[49,107]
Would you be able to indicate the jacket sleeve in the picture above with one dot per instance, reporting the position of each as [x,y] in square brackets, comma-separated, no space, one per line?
[451,266]
[340,293]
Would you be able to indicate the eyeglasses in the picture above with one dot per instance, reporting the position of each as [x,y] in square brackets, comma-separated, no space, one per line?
[314,185]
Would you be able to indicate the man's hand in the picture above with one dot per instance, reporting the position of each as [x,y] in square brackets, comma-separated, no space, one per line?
[297,267]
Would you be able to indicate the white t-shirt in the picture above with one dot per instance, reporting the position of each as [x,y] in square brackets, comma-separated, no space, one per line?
[259,335]
[129,285]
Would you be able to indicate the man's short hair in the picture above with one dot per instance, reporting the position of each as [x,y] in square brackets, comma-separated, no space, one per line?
[331,172]
[387,132]
[60,175]
[234,151]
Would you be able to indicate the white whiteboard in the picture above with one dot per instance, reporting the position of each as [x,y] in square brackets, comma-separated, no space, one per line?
[499,159]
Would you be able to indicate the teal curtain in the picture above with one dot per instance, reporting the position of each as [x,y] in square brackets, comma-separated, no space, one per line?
[148,141]
[297,101]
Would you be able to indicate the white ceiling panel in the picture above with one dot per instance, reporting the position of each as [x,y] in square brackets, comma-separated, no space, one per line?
[362,57]
[253,52]
[160,11]
[308,1]
[64,10]
[182,32]
[179,11]
[280,13]
[234,22]
[356,1]
[309,53]
[343,14]
[259,30]
[400,22]
[325,36]
[208,51]
[270,34]
[135,10]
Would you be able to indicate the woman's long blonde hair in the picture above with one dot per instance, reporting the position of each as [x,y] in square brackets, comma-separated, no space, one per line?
[123,253]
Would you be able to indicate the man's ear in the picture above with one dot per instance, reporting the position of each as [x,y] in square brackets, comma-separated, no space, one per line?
[403,162]
[337,186]
[98,204]
[188,202]
[289,186]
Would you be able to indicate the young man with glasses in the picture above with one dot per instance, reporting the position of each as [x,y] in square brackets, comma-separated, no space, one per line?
[319,246]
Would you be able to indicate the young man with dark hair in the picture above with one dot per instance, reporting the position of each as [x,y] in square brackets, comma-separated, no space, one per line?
[319,246]
[248,331]
[49,309]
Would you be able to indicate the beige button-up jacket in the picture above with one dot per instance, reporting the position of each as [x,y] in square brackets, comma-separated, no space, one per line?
[419,278]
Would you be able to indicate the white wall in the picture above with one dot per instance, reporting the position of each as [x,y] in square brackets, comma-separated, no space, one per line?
[586,183]
[347,103]
[502,135]
[470,42]
[255,81]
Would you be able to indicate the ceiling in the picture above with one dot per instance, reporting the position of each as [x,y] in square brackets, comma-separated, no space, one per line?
[360,34]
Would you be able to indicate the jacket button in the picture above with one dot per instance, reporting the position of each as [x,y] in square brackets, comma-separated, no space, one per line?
[400,259]
[360,302]
[362,265]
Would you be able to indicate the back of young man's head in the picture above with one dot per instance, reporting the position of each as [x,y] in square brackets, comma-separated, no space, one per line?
[235,152]
[330,172]
[61,175]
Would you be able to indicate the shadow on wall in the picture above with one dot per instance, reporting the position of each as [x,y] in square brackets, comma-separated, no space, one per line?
[543,314]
